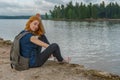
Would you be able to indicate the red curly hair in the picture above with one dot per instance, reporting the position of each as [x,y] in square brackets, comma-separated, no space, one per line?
[40,30]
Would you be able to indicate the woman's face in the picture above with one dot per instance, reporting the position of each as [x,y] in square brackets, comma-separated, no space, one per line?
[34,25]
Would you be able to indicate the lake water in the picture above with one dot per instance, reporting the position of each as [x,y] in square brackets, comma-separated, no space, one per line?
[96,45]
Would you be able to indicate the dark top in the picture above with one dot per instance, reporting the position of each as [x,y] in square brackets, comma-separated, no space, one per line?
[28,49]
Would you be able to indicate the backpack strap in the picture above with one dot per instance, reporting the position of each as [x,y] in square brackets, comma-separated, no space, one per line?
[20,35]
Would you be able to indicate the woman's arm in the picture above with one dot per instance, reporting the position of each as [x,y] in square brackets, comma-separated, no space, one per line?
[44,39]
[35,40]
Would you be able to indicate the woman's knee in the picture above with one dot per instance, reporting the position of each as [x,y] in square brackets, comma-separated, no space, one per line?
[54,45]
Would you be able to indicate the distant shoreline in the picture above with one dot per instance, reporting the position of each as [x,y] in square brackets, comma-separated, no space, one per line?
[43,17]
[18,17]
[86,19]
[93,20]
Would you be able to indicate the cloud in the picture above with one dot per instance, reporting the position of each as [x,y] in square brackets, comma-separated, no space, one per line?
[31,7]
[44,6]
[90,1]
[9,4]
[8,7]
[55,1]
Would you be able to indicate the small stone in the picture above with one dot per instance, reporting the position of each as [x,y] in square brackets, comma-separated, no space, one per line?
[1,39]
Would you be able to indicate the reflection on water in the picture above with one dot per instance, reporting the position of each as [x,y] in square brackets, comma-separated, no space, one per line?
[93,44]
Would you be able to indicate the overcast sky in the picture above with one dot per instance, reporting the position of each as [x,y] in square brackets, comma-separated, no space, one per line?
[30,7]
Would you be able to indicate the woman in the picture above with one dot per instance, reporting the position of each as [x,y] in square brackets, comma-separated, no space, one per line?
[31,44]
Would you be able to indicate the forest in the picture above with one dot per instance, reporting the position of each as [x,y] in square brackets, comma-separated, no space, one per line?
[83,11]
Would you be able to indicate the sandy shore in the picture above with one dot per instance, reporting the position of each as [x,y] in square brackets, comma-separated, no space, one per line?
[49,71]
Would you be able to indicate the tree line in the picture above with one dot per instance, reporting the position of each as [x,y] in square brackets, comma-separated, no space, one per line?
[19,17]
[83,11]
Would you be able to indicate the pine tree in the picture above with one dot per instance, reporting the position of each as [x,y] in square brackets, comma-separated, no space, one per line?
[46,16]
[82,11]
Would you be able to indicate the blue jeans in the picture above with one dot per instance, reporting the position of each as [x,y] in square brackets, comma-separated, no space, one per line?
[53,49]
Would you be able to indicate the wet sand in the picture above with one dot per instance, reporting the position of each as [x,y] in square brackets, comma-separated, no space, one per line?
[51,70]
